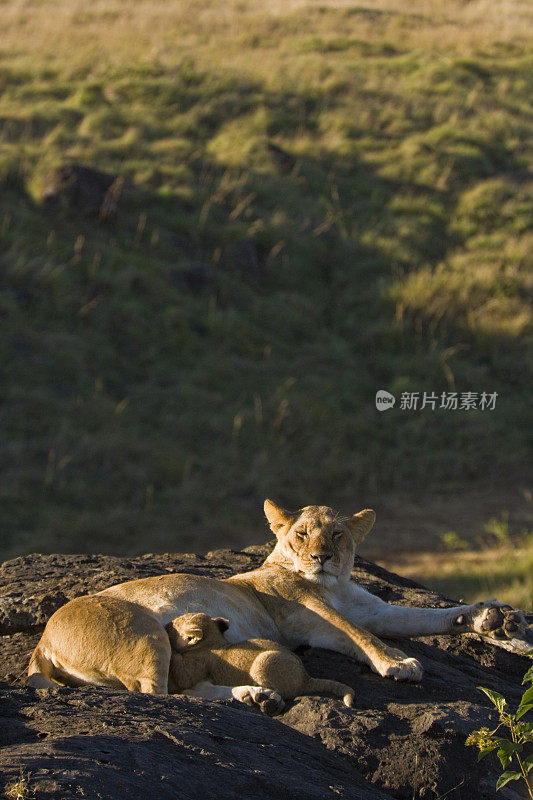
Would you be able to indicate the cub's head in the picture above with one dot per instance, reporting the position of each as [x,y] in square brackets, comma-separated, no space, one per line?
[191,630]
[317,542]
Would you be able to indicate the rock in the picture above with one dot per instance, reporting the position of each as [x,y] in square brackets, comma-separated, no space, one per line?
[399,741]
[31,583]
[84,190]
[112,745]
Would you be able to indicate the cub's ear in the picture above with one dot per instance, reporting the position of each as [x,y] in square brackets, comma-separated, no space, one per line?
[172,635]
[222,624]
[276,516]
[361,524]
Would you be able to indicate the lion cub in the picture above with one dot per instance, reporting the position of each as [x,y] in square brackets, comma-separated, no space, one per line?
[200,652]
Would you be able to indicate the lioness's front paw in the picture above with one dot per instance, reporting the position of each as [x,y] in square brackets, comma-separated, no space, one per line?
[267,700]
[498,623]
[403,669]
[494,620]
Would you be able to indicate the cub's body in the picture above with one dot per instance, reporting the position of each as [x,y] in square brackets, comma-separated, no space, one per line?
[200,653]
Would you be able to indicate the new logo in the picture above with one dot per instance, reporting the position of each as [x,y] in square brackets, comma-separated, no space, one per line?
[384,400]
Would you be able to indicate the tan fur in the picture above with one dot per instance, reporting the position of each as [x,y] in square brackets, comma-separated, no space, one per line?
[105,641]
[303,594]
[200,652]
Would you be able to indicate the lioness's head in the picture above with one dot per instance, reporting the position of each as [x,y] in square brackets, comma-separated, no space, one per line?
[190,630]
[317,542]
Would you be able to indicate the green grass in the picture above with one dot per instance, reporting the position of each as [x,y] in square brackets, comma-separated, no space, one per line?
[501,565]
[137,415]
[505,572]
[20,789]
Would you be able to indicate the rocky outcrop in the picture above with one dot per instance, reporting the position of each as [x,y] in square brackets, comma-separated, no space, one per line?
[399,741]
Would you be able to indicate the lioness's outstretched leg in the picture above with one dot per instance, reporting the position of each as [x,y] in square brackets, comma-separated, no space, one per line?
[496,621]
[315,623]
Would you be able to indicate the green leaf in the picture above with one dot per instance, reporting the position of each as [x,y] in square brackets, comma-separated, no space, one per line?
[496,698]
[521,710]
[504,757]
[525,703]
[506,751]
[484,750]
[527,763]
[505,777]
[527,697]
[528,676]
[510,747]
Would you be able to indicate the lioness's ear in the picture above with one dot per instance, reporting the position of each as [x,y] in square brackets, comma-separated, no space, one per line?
[276,516]
[361,524]
[222,624]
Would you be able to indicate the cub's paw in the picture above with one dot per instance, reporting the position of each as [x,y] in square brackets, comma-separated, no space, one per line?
[267,700]
[499,623]
[402,669]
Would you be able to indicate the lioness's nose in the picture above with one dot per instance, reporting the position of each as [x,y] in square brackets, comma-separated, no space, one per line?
[321,557]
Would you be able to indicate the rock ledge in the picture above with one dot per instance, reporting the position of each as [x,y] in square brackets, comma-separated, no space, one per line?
[399,741]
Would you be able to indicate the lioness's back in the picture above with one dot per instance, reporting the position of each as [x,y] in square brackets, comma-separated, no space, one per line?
[168,596]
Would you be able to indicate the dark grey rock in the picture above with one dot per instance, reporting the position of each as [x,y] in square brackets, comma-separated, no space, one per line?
[83,190]
[399,741]
[99,744]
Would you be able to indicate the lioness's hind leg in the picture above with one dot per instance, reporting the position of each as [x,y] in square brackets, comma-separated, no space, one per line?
[145,685]
[147,671]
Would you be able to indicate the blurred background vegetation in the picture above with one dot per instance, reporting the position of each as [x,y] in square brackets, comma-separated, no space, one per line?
[326,199]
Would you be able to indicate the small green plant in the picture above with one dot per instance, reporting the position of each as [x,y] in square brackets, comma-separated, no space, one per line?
[509,751]
[498,529]
[452,541]
[20,790]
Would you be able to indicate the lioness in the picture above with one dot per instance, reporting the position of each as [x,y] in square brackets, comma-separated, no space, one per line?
[302,594]
[200,652]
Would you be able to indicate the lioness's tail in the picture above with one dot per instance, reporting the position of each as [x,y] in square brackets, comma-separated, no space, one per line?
[321,685]
[40,671]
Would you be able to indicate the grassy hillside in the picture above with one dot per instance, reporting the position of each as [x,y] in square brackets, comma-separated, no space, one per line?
[142,411]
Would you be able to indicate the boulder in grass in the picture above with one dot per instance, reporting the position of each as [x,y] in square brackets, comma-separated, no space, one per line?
[83,190]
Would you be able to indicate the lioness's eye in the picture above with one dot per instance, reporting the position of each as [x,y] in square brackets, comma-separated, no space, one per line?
[337,532]
[301,534]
